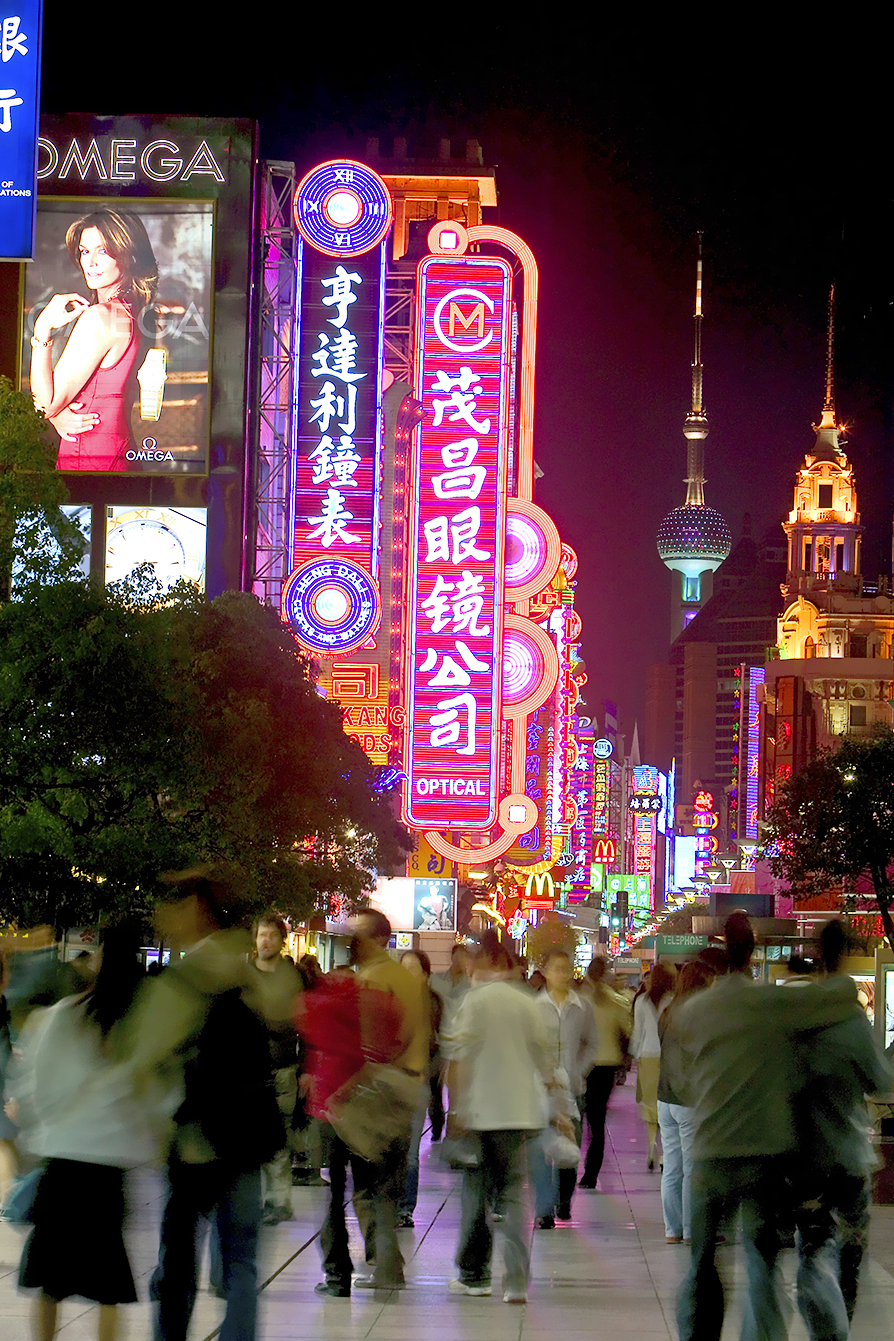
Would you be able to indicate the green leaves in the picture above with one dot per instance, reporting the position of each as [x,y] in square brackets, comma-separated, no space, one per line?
[835,819]
[141,733]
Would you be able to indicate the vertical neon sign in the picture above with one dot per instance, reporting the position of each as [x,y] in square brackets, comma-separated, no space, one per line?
[756,676]
[457,502]
[331,598]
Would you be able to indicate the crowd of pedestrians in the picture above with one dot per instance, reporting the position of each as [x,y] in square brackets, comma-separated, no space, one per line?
[241,1073]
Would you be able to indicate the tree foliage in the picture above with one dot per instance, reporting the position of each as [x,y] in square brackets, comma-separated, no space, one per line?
[30,488]
[142,733]
[835,820]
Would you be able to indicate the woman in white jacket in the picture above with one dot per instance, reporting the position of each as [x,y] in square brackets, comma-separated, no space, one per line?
[80,1114]
[645,1046]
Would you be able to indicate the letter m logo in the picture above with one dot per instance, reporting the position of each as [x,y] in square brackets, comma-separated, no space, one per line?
[604,850]
[476,314]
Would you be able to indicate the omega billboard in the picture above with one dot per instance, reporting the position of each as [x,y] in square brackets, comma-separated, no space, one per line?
[135,318]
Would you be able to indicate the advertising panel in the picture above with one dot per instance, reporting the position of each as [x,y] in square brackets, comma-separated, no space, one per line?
[457,504]
[116,332]
[20,34]
[331,599]
[416,905]
[144,322]
[172,540]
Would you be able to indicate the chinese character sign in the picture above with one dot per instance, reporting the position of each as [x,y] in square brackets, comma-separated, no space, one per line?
[336,466]
[456,561]
[582,833]
[756,675]
[20,29]
[331,599]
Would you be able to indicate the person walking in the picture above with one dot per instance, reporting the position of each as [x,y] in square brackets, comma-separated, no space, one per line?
[79,1111]
[343,1026]
[611,1013]
[273,988]
[196,1029]
[379,1188]
[645,1046]
[418,965]
[675,1119]
[500,1065]
[837,1066]
[570,1027]
[737,1072]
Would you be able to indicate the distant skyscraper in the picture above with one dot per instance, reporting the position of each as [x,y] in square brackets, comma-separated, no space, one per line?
[694,539]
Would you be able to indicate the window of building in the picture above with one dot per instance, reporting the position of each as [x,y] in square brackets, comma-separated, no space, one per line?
[839,558]
[824,496]
[809,648]
[857,645]
[858,714]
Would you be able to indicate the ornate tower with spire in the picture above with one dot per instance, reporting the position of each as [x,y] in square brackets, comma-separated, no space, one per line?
[693,540]
[823,527]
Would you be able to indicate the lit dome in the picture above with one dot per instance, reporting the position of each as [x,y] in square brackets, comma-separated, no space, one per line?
[692,539]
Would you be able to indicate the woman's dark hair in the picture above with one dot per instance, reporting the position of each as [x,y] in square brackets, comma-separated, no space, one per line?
[311,973]
[661,982]
[120,974]
[423,960]
[694,977]
[127,241]
[492,952]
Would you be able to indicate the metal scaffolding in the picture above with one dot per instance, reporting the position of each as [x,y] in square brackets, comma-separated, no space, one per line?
[278,334]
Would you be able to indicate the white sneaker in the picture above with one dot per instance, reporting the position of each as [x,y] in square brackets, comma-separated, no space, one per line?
[515,1297]
[460,1287]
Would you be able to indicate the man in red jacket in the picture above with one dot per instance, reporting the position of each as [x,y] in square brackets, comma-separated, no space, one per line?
[336,1022]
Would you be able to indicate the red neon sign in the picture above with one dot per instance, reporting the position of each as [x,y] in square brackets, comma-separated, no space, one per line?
[457,503]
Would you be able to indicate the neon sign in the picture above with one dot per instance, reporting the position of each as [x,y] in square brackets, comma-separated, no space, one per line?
[582,832]
[19,107]
[331,598]
[756,676]
[455,589]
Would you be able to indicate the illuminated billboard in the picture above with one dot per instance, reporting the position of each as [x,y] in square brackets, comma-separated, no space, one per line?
[137,329]
[455,592]
[416,904]
[331,599]
[116,332]
[172,540]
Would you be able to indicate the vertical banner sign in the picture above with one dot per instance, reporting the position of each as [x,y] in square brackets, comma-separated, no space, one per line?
[331,598]
[457,506]
[582,833]
[20,28]
[756,676]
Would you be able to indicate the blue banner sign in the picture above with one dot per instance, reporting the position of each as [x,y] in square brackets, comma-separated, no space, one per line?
[20,26]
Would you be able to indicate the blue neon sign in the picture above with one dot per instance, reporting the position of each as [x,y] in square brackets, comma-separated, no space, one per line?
[20,28]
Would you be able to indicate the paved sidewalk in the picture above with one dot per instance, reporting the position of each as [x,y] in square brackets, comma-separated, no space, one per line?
[609,1272]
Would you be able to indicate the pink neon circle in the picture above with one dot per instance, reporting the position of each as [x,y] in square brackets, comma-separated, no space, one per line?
[526,549]
[523,667]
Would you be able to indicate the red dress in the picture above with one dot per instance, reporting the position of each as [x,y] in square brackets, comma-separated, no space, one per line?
[110,393]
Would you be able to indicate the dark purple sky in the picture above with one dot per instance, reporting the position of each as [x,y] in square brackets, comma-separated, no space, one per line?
[614,141]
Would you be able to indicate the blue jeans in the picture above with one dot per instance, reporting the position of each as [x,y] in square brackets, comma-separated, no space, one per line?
[831,1213]
[411,1186]
[719,1187]
[195,1191]
[553,1188]
[498,1179]
[677,1130]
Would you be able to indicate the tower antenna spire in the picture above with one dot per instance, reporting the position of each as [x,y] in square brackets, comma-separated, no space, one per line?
[695,428]
[829,402]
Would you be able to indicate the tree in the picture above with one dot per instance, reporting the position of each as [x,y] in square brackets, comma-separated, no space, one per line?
[546,937]
[141,732]
[835,819]
[30,488]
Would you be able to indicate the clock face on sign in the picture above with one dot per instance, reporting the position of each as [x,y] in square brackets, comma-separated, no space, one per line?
[172,540]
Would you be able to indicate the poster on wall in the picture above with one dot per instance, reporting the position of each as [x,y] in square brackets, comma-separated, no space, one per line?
[116,332]
[172,540]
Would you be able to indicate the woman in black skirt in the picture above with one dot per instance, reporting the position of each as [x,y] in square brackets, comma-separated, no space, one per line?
[82,1116]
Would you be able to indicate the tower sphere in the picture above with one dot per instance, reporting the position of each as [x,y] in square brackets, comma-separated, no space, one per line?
[693,539]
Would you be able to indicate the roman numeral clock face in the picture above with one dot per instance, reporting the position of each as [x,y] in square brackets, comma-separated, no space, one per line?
[343,208]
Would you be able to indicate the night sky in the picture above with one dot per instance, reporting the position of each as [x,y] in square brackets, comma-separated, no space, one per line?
[614,143]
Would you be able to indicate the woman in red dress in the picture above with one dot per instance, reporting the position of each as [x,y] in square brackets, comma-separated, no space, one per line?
[88,395]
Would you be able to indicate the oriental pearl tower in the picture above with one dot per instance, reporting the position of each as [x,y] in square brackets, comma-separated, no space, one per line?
[693,540]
